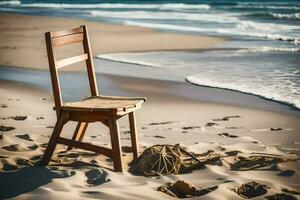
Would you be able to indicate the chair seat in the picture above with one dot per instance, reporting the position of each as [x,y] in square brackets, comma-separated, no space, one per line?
[105,104]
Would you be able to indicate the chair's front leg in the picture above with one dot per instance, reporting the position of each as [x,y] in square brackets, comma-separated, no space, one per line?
[116,145]
[134,137]
[62,120]
[79,132]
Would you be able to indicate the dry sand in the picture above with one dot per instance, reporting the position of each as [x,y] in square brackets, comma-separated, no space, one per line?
[22,42]
[165,119]
[80,174]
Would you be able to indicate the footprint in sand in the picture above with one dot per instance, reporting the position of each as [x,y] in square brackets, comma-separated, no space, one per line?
[228,135]
[276,129]
[211,124]
[190,127]
[7,166]
[24,137]
[250,190]
[161,123]
[287,173]
[14,147]
[19,118]
[6,128]
[226,118]
[158,136]
[19,148]
[280,196]
[290,191]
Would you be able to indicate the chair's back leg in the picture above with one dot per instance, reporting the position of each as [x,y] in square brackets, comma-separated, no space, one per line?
[62,119]
[79,132]
[133,132]
[116,145]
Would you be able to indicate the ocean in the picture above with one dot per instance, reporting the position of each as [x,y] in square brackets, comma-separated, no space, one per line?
[261,54]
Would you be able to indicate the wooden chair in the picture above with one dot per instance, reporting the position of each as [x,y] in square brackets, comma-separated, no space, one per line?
[97,108]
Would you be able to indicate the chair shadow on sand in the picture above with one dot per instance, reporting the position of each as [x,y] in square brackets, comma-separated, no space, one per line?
[13,183]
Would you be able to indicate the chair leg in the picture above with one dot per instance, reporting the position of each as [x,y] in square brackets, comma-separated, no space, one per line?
[79,133]
[134,138]
[63,118]
[116,146]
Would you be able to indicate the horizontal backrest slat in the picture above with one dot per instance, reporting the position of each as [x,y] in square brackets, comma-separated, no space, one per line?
[68,32]
[67,39]
[72,60]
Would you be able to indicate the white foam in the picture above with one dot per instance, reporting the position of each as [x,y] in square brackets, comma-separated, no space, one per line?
[165,26]
[222,18]
[286,16]
[266,6]
[10,2]
[224,31]
[270,49]
[120,5]
[266,91]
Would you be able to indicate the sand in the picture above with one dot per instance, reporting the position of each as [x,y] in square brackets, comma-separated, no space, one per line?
[22,41]
[85,175]
[231,130]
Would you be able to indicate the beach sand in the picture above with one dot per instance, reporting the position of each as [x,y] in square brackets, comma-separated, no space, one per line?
[22,40]
[230,130]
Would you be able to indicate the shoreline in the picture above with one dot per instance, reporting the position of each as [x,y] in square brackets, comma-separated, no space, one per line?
[185,90]
[23,45]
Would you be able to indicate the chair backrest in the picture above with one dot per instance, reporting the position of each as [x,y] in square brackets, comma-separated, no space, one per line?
[60,38]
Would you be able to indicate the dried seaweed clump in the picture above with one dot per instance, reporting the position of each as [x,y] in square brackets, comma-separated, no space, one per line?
[165,159]
[253,162]
[183,189]
[250,190]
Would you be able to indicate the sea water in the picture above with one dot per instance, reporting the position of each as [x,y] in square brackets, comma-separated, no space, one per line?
[261,55]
